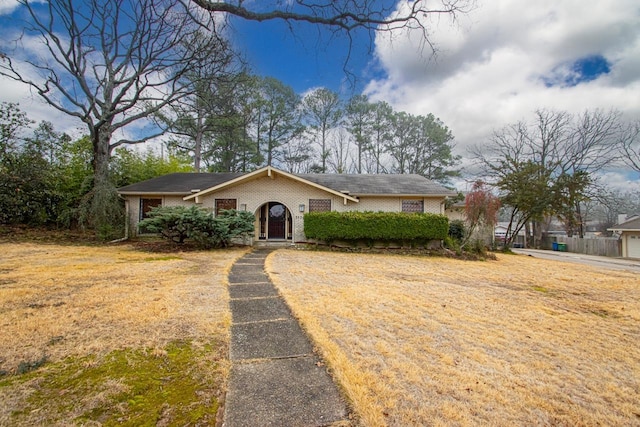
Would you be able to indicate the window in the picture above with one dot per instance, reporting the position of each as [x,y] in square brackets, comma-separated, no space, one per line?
[319,205]
[413,206]
[146,205]
[225,204]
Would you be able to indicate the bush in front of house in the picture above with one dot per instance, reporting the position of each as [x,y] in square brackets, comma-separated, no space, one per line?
[375,226]
[219,231]
[457,230]
[179,223]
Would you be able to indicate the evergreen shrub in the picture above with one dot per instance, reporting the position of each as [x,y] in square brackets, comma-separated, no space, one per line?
[375,226]
[179,223]
[457,230]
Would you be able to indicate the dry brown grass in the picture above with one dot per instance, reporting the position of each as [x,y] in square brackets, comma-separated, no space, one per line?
[96,299]
[59,301]
[435,341]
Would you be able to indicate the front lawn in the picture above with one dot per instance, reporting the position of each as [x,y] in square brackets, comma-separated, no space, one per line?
[112,335]
[436,341]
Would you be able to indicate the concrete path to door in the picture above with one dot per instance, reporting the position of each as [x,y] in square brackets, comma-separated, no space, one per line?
[276,379]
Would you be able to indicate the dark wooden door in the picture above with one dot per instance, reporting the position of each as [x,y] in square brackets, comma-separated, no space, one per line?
[277,220]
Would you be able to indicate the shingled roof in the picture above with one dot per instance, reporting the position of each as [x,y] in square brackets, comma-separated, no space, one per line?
[350,184]
[178,183]
[632,224]
[381,184]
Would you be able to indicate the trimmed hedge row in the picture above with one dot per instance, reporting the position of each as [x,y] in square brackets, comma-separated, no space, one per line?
[370,226]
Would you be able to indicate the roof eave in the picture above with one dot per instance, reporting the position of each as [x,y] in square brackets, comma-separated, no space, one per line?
[153,193]
[402,195]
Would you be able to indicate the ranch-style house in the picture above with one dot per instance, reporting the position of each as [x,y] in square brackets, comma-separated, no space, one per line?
[280,199]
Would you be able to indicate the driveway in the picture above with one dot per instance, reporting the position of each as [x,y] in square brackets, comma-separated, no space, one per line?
[594,261]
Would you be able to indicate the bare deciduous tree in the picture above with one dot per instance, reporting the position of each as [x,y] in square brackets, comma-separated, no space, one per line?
[339,152]
[191,121]
[278,120]
[381,135]
[108,63]
[630,145]
[342,15]
[347,19]
[323,110]
[591,143]
[359,122]
[552,160]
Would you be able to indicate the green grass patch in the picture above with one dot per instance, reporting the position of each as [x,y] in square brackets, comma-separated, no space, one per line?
[162,258]
[541,289]
[177,385]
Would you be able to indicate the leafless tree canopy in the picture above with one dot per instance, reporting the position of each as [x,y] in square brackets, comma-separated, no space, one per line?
[555,140]
[630,145]
[109,63]
[343,14]
[557,152]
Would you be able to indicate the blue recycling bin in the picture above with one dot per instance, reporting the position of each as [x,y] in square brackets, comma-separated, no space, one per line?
[554,246]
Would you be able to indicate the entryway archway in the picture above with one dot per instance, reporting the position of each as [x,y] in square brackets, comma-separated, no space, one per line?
[275,222]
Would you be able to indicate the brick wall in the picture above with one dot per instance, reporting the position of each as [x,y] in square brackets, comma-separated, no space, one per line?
[455,214]
[276,188]
[134,206]
[290,193]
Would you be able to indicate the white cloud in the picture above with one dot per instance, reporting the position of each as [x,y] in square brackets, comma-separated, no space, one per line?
[489,67]
[20,47]
[38,110]
[621,181]
[8,6]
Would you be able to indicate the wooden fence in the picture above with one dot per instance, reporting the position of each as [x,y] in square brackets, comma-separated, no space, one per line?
[602,246]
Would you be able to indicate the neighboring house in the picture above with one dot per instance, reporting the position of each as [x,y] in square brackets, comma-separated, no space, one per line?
[487,234]
[500,234]
[455,212]
[280,199]
[629,231]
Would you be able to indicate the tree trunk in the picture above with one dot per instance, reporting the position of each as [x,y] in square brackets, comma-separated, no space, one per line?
[197,148]
[102,208]
[101,155]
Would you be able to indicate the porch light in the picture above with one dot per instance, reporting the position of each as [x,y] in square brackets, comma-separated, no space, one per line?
[301,208]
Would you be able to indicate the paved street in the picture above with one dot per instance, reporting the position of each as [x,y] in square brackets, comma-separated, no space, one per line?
[594,261]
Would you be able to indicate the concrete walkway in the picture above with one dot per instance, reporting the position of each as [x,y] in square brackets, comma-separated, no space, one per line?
[276,379]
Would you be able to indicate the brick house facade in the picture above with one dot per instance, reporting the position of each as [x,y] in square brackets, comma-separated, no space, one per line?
[280,199]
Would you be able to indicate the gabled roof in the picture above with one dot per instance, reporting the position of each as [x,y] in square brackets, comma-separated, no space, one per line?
[178,183]
[380,184]
[267,171]
[631,224]
[349,186]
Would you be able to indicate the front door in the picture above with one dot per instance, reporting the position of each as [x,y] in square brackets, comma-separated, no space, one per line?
[277,220]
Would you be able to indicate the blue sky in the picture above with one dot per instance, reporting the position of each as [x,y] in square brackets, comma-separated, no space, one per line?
[307,57]
[495,65]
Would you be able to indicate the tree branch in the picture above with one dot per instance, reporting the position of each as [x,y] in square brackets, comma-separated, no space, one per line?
[346,16]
